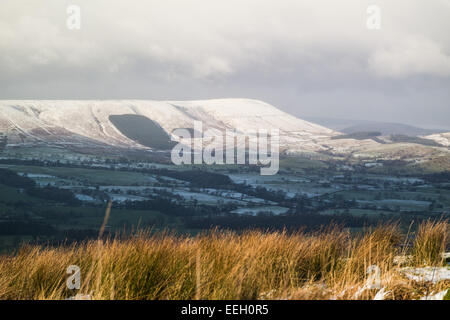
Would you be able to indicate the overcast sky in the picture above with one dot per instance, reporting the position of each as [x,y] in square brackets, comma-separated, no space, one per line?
[310,58]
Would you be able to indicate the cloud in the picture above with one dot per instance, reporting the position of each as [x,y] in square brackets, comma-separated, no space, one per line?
[218,39]
[412,56]
[276,50]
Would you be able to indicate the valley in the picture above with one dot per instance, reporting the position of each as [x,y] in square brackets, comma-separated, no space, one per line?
[119,152]
[188,199]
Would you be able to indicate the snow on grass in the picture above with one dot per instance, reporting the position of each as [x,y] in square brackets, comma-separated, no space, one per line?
[427,274]
[122,198]
[84,197]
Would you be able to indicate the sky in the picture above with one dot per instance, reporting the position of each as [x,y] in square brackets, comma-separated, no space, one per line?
[311,58]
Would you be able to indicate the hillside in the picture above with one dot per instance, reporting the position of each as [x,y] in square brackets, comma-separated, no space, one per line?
[350,126]
[119,126]
[89,122]
[389,129]
[441,138]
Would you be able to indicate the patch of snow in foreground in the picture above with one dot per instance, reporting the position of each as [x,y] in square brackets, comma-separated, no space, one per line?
[381,295]
[427,274]
[437,296]
[80,297]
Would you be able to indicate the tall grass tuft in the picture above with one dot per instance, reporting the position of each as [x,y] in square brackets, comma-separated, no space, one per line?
[430,242]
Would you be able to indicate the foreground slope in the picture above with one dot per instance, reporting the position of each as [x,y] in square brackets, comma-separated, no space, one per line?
[328,264]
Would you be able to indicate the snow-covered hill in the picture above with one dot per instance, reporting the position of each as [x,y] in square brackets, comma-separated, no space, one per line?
[441,138]
[88,121]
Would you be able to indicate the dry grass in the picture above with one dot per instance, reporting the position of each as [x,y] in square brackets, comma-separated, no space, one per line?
[431,240]
[328,264]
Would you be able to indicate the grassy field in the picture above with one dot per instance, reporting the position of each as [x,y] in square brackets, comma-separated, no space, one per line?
[296,164]
[327,264]
[357,212]
[12,194]
[93,176]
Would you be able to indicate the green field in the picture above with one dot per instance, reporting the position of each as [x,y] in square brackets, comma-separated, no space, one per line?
[298,164]
[93,176]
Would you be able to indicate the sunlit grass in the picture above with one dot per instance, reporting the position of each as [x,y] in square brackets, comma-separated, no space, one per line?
[327,264]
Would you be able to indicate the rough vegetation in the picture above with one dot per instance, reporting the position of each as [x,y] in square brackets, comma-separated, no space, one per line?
[327,264]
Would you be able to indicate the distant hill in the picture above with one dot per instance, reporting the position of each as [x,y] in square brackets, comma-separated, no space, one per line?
[417,140]
[442,138]
[359,135]
[391,129]
[351,126]
[396,138]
